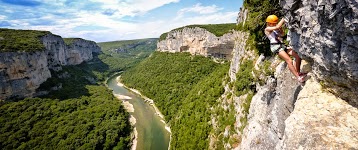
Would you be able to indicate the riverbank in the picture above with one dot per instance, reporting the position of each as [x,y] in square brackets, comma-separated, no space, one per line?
[148,100]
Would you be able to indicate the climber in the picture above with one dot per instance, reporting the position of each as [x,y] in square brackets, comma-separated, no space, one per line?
[275,33]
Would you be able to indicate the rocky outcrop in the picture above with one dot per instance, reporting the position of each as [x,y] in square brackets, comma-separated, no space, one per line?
[322,113]
[320,120]
[269,109]
[239,53]
[81,50]
[326,34]
[55,48]
[242,16]
[198,41]
[21,73]
[285,115]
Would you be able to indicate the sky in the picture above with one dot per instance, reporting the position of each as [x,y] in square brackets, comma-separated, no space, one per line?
[112,20]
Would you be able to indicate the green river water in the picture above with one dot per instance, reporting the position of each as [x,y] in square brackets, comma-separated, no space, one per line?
[152,134]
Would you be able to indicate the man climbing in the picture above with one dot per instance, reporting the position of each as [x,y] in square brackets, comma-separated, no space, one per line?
[275,33]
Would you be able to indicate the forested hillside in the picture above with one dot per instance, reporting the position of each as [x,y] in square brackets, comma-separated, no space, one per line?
[78,111]
[133,51]
[184,87]
[98,121]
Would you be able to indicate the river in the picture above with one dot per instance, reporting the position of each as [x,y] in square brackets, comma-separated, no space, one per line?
[152,134]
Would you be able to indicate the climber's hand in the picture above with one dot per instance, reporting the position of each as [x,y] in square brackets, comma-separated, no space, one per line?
[285,19]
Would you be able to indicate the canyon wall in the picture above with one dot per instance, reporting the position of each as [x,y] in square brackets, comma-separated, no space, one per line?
[198,41]
[21,73]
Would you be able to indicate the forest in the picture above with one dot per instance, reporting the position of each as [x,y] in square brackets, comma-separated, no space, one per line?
[183,87]
[98,121]
[79,112]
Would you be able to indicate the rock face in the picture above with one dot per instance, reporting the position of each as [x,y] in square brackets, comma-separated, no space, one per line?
[81,50]
[239,53]
[56,51]
[322,113]
[21,73]
[269,109]
[326,34]
[320,120]
[242,16]
[198,41]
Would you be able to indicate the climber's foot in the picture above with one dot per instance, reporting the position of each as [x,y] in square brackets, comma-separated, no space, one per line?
[302,78]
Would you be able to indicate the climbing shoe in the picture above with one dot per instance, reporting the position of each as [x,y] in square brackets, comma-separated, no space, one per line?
[302,78]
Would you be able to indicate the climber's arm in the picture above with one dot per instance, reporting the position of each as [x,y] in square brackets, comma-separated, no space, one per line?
[278,26]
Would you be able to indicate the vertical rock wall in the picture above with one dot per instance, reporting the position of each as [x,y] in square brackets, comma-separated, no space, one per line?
[326,34]
[286,115]
[21,73]
[81,50]
[56,51]
[198,41]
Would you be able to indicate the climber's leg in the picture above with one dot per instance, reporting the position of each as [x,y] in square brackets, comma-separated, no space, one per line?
[297,59]
[288,60]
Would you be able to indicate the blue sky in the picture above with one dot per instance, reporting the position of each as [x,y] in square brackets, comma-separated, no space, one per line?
[111,20]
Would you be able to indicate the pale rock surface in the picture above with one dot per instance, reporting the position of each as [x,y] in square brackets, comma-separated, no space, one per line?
[269,108]
[21,73]
[81,50]
[320,120]
[326,34]
[239,53]
[55,48]
[198,41]
[242,16]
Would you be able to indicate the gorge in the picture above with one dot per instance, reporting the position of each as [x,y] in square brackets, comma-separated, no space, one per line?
[218,91]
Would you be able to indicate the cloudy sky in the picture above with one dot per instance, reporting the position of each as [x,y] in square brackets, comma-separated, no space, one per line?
[110,20]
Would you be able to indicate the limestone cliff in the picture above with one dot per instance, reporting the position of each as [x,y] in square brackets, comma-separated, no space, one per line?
[320,114]
[326,34]
[283,114]
[198,41]
[55,49]
[81,50]
[21,73]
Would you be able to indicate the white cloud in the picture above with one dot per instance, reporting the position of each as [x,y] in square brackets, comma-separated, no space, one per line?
[80,19]
[2,17]
[199,9]
[133,7]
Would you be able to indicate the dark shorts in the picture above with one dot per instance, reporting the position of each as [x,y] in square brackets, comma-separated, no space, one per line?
[276,48]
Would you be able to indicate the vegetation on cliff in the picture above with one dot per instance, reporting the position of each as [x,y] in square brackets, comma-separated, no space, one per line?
[21,40]
[256,23]
[184,88]
[69,41]
[216,29]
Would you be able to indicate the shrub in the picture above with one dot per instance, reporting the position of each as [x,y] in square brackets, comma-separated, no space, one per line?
[21,40]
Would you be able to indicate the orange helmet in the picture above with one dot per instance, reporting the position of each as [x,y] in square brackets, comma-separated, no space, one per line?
[272,19]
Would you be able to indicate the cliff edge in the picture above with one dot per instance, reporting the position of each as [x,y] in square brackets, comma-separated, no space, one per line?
[23,68]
